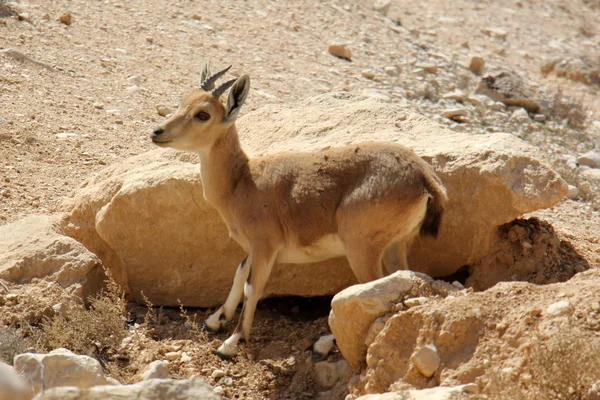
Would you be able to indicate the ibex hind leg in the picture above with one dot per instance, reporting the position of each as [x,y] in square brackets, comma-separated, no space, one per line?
[225,313]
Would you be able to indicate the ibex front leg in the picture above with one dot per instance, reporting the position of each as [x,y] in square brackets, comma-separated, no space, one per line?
[259,265]
[226,311]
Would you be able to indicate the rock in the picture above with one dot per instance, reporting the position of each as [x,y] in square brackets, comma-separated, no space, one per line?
[509,89]
[66,18]
[500,176]
[163,111]
[475,64]
[456,94]
[328,374]
[573,192]
[218,374]
[453,113]
[156,370]
[173,355]
[415,301]
[354,309]
[99,105]
[436,393]
[340,50]
[382,6]
[498,33]
[426,360]
[391,71]
[539,117]
[588,183]
[60,367]
[367,73]
[153,389]
[12,386]
[590,159]
[559,308]
[431,68]
[521,116]
[34,247]
[480,100]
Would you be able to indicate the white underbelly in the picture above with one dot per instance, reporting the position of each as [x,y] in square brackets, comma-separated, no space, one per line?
[328,246]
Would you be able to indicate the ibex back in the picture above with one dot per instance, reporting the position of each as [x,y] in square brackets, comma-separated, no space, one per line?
[366,201]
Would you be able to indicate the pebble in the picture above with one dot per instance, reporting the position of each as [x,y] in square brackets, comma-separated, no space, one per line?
[475,64]
[227,381]
[66,18]
[367,73]
[382,6]
[480,100]
[499,33]
[539,117]
[590,159]
[377,94]
[416,301]
[521,116]
[163,110]
[340,50]
[431,68]
[426,360]
[455,112]
[573,192]
[185,357]
[498,106]
[457,95]
[99,106]
[391,71]
[559,308]
[218,389]
[172,356]
[218,373]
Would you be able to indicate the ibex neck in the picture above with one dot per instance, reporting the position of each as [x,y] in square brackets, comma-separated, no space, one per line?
[222,166]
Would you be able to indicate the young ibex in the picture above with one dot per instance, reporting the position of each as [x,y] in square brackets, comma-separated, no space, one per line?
[366,201]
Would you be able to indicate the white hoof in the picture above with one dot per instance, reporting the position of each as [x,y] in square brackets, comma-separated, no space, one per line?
[214,322]
[323,346]
[229,348]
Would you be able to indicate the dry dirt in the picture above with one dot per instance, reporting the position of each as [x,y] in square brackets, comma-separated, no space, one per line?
[75,98]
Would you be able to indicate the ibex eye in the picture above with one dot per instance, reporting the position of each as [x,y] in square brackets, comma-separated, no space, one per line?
[202,116]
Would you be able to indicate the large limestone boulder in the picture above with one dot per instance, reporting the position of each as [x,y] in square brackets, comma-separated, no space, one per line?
[60,367]
[34,247]
[148,222]
[153,389]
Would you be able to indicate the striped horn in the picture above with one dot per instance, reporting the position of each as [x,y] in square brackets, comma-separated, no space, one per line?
[221,89]
[209,83]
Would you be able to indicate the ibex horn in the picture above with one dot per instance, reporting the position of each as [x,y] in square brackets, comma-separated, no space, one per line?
[209,83]
[221,89]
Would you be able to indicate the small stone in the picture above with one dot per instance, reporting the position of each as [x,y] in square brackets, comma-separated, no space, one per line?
[218,390]
[227,381]
[99,106]
[559,308]
[455,112]
[172,356]
[475,64]
[458,285]
[596,306]
[480,100]
[590,159]
[150,39]
[573,192]
[156,370]
[431,68]
[382,6]
[163,110]
[416,301]
[218,373]
[521,116]
[457,95]
[426,360]
[367,73]
[66,18]
[498,33]
[539,117]
[391,71]
[185,357]
[24,17]
[340,50]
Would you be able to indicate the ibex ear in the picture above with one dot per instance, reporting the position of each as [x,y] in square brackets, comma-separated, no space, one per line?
[237,96]
[205,72]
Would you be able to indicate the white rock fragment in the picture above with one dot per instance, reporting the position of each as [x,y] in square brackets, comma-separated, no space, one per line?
[382,6]
[426,360]
[573,192]
[415,301]
[391,71]
[217,374]
[521,116]
[156,370]
[475,64]
[559,308]
[590,159]
[456,94]
[163,110]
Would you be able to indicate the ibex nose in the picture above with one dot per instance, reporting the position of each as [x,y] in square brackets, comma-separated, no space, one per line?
[159,131]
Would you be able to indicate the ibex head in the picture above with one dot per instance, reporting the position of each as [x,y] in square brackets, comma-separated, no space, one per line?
[201,117]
